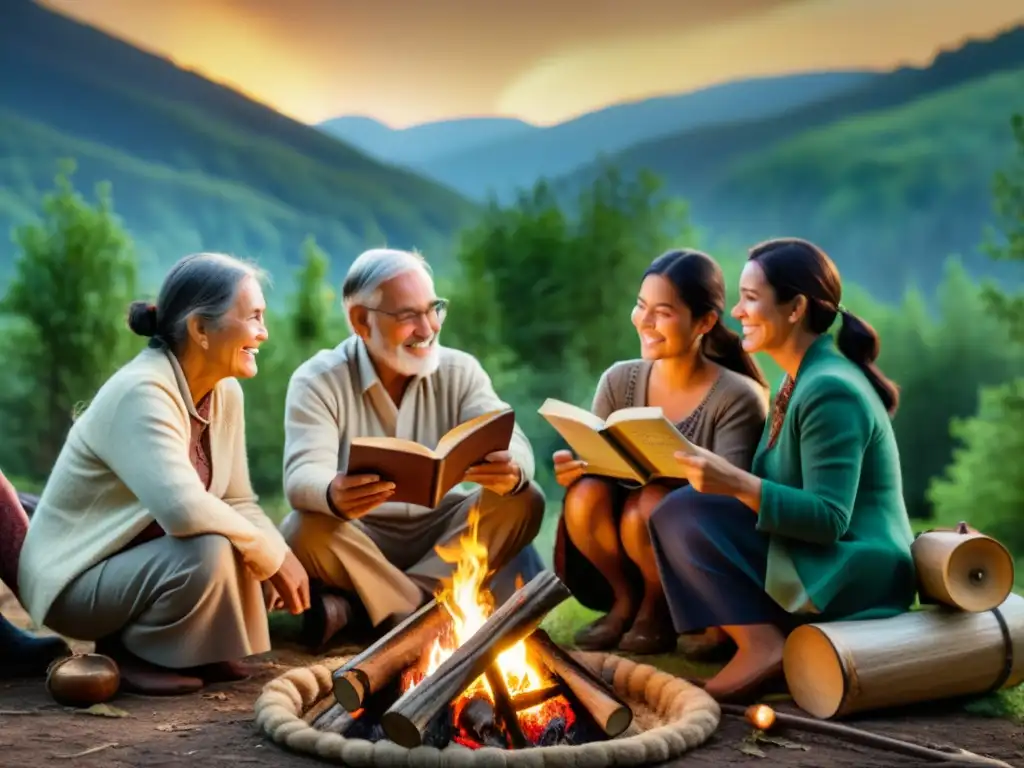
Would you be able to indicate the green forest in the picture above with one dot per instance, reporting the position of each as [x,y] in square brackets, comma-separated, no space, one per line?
[541,292]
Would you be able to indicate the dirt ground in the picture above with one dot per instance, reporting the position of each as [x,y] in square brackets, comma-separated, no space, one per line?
[216,727]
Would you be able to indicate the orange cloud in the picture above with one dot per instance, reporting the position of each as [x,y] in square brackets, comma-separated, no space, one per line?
[406,61]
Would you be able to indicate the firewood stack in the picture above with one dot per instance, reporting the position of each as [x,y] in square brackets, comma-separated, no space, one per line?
[966,639]
[490,722]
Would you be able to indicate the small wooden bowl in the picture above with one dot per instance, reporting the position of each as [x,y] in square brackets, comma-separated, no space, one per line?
[83,679]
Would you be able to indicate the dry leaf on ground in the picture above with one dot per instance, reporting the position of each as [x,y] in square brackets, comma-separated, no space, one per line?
[103,710]
[177,727]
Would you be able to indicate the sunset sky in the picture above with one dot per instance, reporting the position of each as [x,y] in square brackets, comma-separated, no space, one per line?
[412,61]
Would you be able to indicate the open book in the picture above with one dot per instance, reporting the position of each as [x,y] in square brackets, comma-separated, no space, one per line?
[631,444]
[421,475]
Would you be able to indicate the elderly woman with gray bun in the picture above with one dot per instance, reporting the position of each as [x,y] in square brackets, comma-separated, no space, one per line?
[148,537]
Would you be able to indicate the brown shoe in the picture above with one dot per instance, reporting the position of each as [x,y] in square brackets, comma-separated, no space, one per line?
[710,645]
[222,672]
[328,614]
[649,637]
[142,677]
[602,634]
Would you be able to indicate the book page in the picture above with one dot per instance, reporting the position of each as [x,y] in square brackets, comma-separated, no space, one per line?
[591,446]
[459,433]
[396,444]
[654,441]
[552,407]
[492,435]
[640,413]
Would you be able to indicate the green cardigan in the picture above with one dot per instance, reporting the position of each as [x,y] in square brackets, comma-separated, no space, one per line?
[832,497]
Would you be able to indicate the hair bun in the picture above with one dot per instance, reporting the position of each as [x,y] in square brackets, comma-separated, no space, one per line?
[142,318]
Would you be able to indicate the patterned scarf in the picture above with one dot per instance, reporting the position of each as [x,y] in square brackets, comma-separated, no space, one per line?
[779,412]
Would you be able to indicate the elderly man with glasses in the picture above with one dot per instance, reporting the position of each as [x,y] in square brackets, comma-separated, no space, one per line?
[371,560]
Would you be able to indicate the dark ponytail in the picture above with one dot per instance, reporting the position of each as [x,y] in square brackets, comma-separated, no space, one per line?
[860,343]
[724,346]
[795,267]
[700,285]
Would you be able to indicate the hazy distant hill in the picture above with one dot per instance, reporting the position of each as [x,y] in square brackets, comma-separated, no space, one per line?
[195,164]
[428,141]
[894,174]
[692,159]
[890,193]
[516,162]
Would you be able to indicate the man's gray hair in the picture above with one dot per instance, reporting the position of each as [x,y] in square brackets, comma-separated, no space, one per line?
[373,268]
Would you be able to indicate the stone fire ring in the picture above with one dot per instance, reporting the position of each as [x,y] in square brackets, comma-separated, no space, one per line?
[671,716]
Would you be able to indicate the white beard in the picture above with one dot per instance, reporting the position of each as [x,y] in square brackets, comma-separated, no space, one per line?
[399,359]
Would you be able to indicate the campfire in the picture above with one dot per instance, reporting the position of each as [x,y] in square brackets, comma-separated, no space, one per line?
[460,670]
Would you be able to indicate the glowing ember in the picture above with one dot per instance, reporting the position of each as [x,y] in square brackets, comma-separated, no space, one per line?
[470,604]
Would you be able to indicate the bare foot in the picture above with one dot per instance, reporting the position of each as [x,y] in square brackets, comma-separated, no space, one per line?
[758,660]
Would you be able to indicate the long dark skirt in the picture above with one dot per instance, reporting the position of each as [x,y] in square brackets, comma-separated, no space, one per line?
[712,561]
[587,584]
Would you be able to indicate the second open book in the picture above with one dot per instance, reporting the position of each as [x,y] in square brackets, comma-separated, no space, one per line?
[636,444]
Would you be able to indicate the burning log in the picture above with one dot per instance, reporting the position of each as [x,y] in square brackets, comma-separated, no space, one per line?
[332,720]
[533,698]
[610,712]
[405,722]
[477,721]
[503,706]
[365,674]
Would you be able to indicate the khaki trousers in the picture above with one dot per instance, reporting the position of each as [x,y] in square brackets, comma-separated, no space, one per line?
[390,562]
[175,602]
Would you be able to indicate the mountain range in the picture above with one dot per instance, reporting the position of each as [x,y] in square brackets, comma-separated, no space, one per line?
[500,156]
[193,164]
[890,171]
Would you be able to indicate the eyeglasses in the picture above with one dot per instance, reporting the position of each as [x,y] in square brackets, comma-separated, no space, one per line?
[435,313]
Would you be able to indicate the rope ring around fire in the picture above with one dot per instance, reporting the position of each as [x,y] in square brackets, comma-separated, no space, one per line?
[686,715]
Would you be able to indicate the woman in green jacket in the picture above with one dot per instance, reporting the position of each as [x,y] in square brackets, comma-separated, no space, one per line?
[817,530]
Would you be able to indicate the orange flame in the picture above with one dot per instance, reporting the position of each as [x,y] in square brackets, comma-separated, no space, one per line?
[470,604]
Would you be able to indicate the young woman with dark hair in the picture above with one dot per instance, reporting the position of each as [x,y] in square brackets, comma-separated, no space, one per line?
[817,530]
[695,369]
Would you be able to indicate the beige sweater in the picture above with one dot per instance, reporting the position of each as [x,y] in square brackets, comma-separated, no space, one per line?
[125,463]
[336,395]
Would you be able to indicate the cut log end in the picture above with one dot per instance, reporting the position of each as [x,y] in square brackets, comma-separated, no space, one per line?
[618,721]
[350,690]
[814,672]
[401,730]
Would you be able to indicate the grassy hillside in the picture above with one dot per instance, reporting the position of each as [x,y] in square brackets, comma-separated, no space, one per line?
[503,166]
[893,191]
[193,155]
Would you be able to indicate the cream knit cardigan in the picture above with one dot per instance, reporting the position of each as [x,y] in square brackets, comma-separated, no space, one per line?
[125,463]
